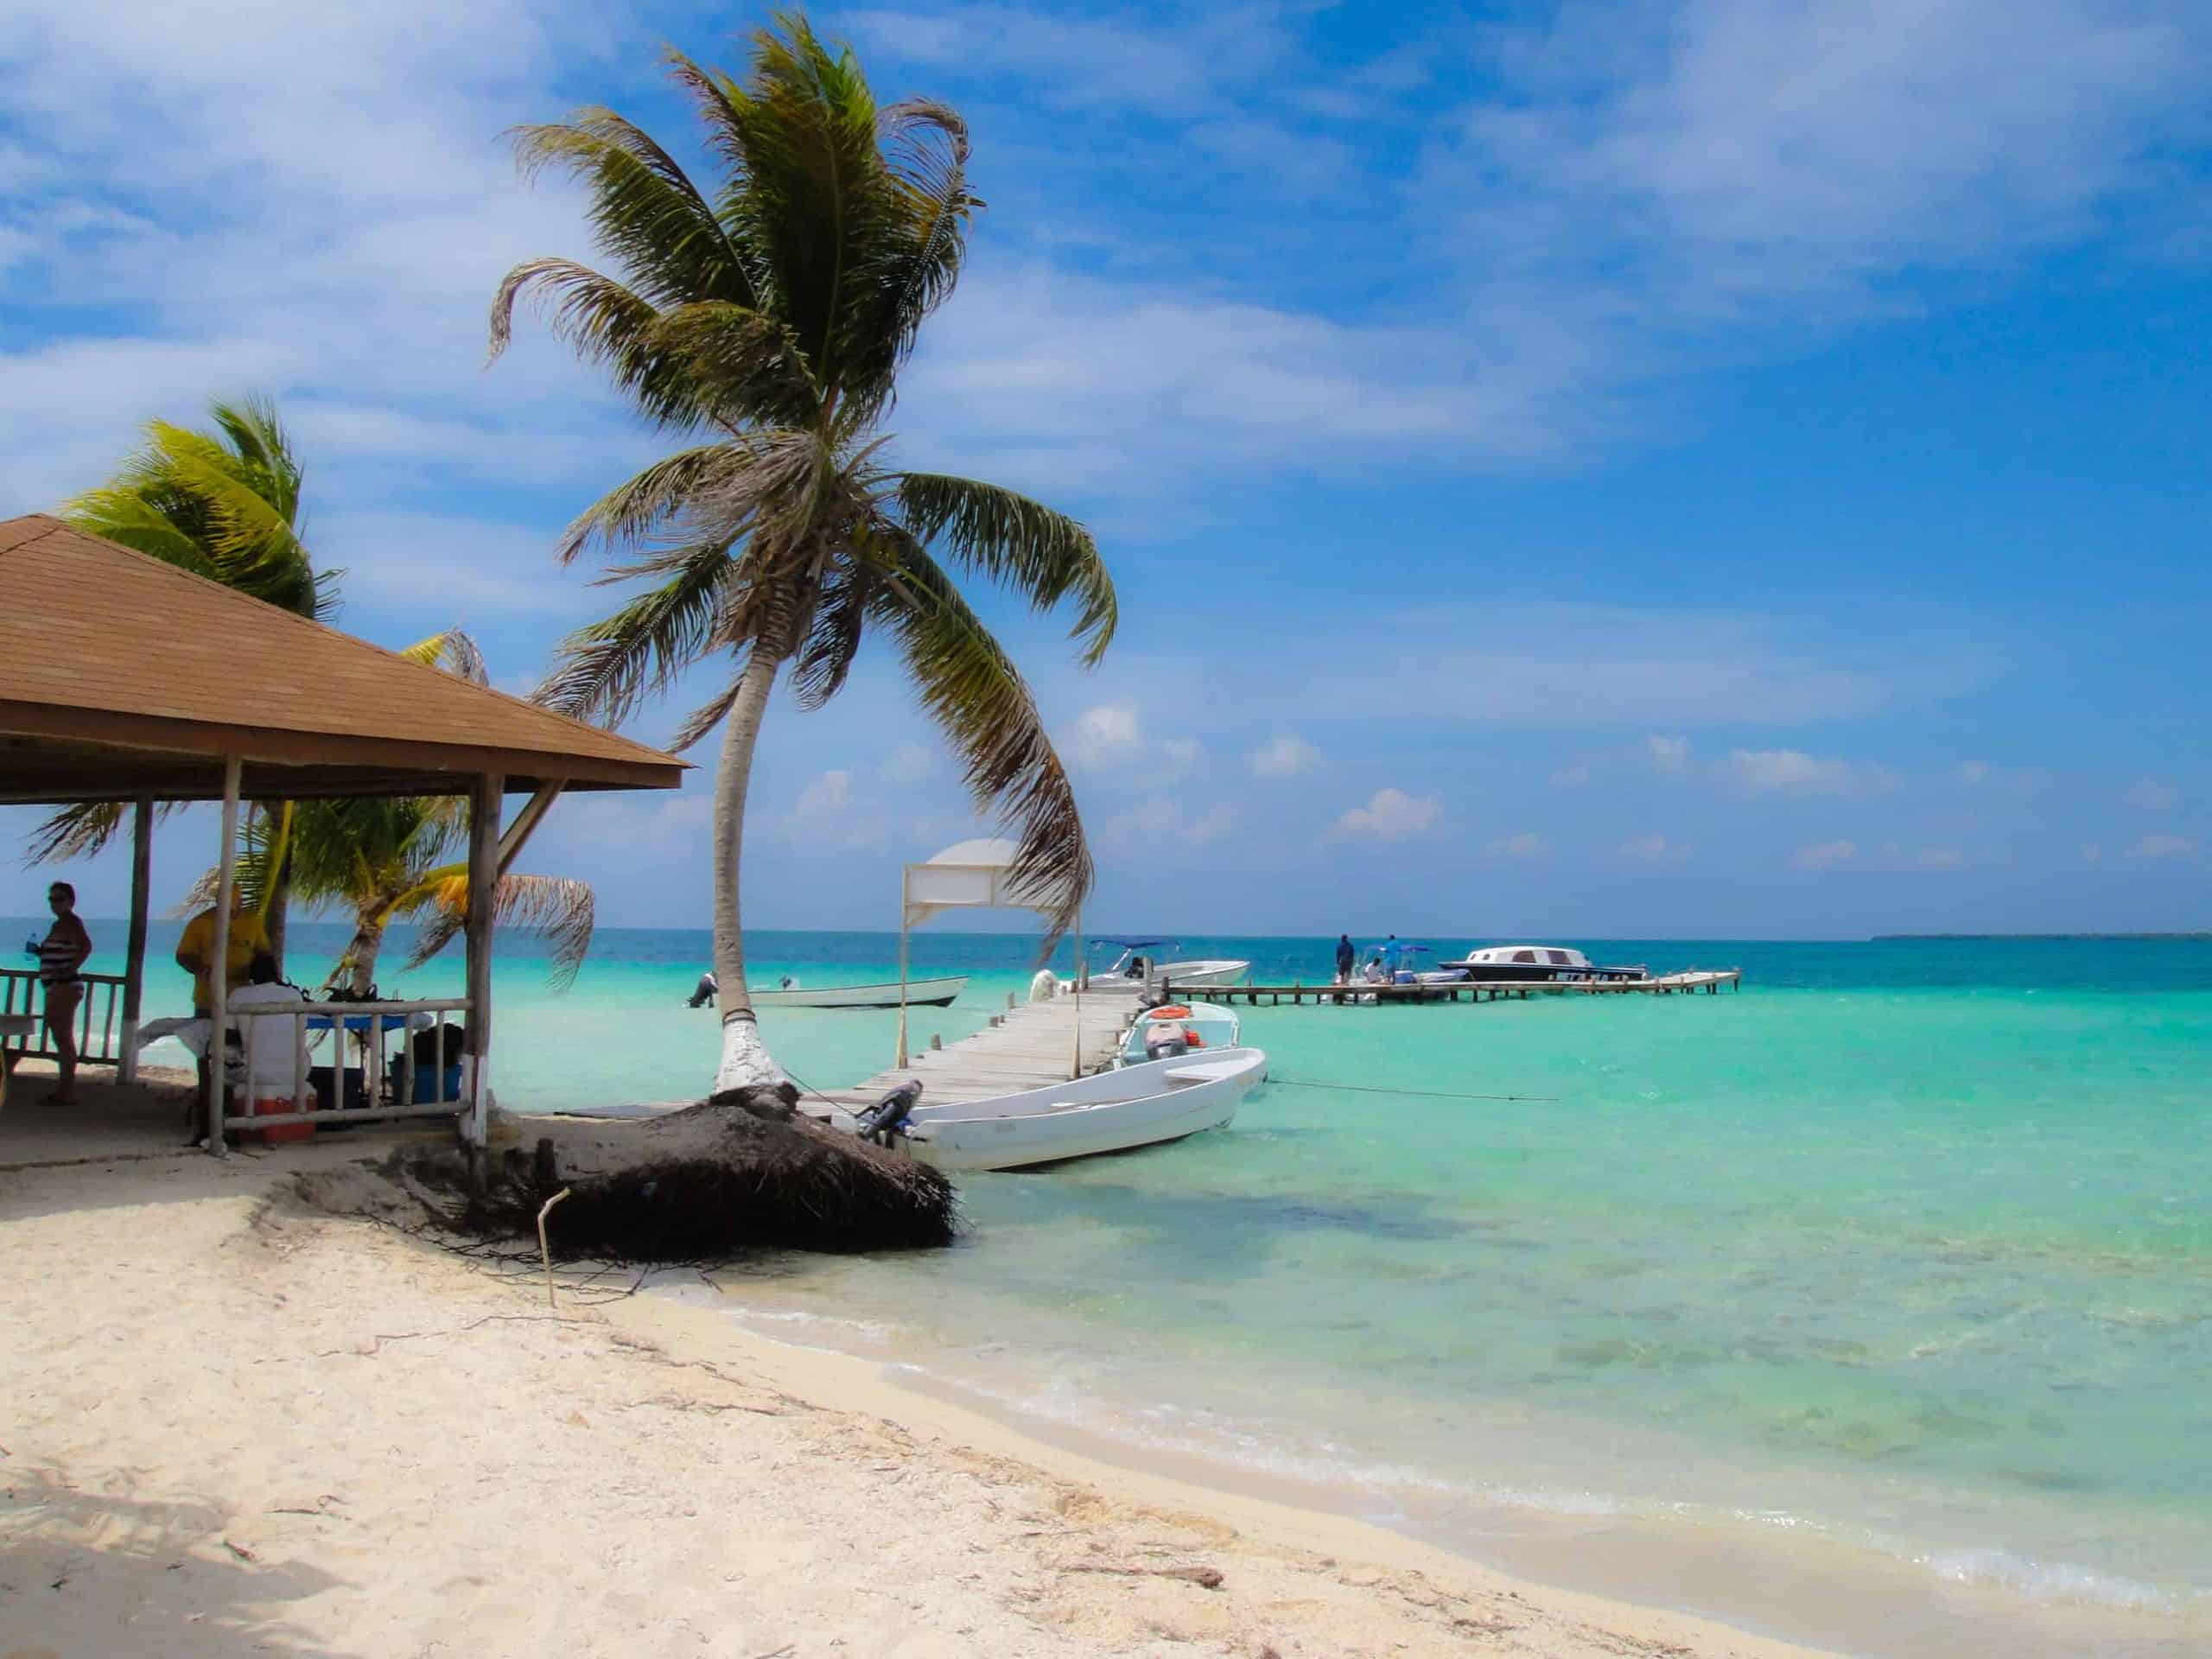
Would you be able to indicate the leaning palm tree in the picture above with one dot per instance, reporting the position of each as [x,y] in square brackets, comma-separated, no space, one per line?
[767,314]
[226,505]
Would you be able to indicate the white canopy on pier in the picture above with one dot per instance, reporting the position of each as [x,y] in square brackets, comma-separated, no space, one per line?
[968,875]
[975,875]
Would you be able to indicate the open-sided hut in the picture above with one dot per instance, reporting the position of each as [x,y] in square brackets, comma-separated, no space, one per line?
[125,679]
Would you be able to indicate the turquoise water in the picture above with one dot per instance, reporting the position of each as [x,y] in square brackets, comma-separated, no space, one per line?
[1903,1250]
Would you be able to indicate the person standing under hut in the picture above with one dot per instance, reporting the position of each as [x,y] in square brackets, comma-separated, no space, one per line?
[61,956]
[195,954]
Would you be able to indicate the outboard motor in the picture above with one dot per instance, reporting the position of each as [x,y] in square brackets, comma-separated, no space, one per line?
[888,1117]
[1165,1040]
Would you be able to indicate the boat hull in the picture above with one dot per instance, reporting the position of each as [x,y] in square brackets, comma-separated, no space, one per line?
[1114,1111]
[920,994]
[1203,973]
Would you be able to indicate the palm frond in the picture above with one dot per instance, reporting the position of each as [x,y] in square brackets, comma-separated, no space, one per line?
[815,194]
[605,668]
[455,651]
[603,321]
[826,655]
[645,212]
[562,909]
[76,831]
[640,507]
[750,368]
[223,505]
[979,700]
[1045,556]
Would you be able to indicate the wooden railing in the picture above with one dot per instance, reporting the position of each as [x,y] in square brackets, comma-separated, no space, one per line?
[371,1042]
[21,993]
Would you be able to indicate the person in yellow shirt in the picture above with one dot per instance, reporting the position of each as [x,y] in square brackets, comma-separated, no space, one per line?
[195,950]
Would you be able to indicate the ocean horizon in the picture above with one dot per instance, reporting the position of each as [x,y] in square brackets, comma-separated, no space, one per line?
[1891,1269]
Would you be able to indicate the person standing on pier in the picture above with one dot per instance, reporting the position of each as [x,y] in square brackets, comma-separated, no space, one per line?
[1346,956]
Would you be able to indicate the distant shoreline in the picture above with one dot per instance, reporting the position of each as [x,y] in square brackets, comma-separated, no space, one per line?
[1891,938]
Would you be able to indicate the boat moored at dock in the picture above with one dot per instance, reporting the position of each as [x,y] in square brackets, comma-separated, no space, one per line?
[1119,1110]
[1497,964]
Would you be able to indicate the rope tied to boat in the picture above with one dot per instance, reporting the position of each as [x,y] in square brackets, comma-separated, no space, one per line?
[1426,1094]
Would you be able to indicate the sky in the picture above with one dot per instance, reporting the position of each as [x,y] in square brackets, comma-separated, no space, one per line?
[1695,468]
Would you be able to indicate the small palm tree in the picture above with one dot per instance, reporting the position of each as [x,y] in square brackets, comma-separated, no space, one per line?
[223,503]
[768,316]
[384,860]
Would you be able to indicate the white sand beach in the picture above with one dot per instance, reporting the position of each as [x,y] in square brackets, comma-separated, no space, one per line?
[238,1425]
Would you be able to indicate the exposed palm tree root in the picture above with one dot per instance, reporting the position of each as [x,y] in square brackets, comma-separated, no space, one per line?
[702,1183]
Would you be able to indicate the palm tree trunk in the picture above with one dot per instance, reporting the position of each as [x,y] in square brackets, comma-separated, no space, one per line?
[746,1062]
[359,962]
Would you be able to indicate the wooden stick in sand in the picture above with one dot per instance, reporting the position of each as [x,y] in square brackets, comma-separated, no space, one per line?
[544,1253]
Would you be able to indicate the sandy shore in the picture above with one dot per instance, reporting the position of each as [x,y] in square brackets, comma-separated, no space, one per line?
[237,1425]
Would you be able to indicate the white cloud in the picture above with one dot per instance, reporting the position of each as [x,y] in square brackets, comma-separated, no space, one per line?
[2093,854]
[1668,754]
[1285,757]
[2163,846]
[447,569]
[1528,844]
[1971,772]
[827,793]
[1824,855]
[2152,795]
[1792,771]
[1108,735]
[1389,815]
[1160,823]
[1715,164]
[1112,736]
[909,763]
[1653,850]
[1574,777]
[1939,858]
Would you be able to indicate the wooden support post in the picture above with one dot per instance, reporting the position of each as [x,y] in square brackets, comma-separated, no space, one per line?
[218,967]
[526,821]
[483,889]
[134,961]
[900,1063]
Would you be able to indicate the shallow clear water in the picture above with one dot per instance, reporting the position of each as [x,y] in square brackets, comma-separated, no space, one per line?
[1903,1249]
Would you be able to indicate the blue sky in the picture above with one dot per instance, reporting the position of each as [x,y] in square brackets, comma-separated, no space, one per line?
[1710,468]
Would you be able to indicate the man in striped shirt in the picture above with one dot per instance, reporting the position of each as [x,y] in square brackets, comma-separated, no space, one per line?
[61,954]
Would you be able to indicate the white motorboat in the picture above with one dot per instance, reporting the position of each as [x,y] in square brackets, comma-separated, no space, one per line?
[920,994]
[1155,1031]
[1135,967]
[1513,963]
[1112,1111]
[1212,971]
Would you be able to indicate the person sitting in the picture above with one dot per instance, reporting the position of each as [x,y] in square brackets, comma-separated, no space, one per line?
[433,1056]
[272,1049]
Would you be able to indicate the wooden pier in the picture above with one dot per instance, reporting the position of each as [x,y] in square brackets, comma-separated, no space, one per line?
[1030,1046]
[1483,990]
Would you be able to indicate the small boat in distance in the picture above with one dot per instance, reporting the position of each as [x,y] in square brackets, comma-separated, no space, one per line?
[1134,966]
[920,994]
[1514,964]
[1111,1111]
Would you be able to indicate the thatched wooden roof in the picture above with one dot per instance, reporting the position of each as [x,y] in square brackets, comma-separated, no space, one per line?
[121,675]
